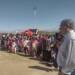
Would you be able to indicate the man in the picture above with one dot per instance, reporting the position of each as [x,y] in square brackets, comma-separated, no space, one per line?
[66,54]
[44,45]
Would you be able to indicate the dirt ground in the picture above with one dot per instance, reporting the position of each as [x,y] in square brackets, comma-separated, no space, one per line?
[18,64]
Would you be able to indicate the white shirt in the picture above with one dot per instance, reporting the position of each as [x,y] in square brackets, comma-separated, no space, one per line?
[26,43]
[13,44]
[66,54]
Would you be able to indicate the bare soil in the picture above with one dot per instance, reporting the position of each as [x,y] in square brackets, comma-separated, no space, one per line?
[18,64]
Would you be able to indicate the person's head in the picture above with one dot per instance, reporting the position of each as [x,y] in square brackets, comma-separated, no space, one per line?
[66,25]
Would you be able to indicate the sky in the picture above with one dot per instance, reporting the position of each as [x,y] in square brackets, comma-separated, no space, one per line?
[41,14]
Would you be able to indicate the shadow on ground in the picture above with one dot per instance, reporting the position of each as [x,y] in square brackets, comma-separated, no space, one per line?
[46,64]
[23,55]
[49,65]
[40,68]
[36,59]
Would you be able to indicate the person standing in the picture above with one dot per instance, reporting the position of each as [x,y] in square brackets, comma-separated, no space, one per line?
[66,52]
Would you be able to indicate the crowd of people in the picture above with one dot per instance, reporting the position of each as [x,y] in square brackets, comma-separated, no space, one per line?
[38,45]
